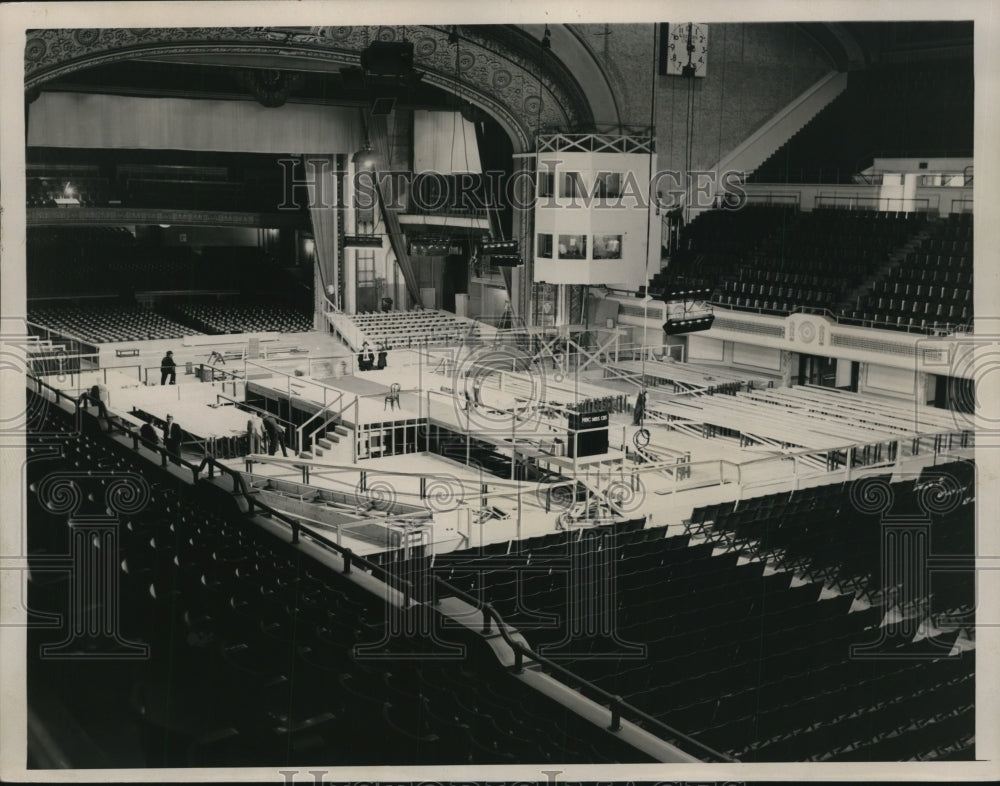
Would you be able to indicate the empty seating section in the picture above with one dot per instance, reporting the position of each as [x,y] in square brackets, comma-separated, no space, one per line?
[826,534]
[877,115]
[253,658]
[81,263]
[748,660]
[775,259]
[425,327]
[108,323]
[931,289]
[243,318]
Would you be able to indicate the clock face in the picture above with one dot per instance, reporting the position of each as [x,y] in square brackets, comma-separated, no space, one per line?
[680,55]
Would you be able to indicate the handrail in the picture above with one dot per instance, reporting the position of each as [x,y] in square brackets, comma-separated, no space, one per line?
[322,426]
[617,705]
[62,333]
[239,486]
[323,410]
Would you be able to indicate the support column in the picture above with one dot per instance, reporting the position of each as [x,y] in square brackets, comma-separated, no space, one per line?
[350,304]
[325,216]
[523,231]
[787,367]
[924,388]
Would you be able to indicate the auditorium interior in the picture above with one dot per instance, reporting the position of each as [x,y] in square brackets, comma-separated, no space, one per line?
[596,394]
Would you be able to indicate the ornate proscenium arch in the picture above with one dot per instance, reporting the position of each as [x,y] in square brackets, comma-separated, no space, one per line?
[500,68]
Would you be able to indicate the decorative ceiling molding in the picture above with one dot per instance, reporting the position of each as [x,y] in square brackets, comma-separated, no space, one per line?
[500,68]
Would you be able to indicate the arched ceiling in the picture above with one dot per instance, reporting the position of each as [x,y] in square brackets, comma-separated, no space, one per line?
[500,68]
[503,69]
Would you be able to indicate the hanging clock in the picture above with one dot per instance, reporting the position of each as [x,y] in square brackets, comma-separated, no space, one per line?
[687,49]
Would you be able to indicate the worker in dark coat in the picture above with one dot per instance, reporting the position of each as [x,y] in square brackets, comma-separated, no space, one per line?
[173,435]
[639,411]
[275,436]
[168,369]
[148,433]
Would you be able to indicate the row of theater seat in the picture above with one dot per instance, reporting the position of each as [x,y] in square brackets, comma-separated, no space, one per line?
[939,270]
[748,275]
[944,307]
[411,328]
[243,318]
[115,323]
[908,288]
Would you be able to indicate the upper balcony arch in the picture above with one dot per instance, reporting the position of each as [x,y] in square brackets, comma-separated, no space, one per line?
[499,68]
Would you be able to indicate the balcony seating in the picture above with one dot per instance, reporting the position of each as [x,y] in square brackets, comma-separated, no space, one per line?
[108,323]
[775,259]
[931,289]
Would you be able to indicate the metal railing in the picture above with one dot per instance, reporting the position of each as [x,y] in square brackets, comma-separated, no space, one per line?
[962,205]
[79,346]
[618,708]
[332,417]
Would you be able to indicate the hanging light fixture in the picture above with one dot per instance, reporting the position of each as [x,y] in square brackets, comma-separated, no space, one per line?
[364,158]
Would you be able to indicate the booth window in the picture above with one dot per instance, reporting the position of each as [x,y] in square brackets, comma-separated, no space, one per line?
[543,248]
[607,246]
[572,246]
